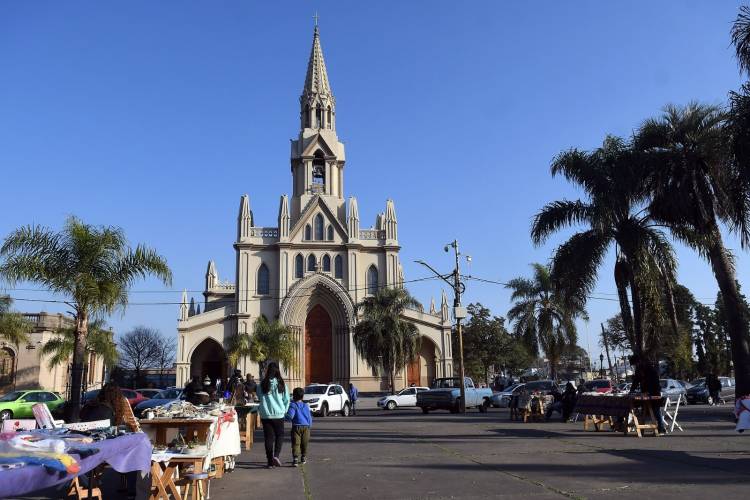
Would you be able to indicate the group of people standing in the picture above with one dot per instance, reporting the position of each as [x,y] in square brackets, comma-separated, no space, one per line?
[235,390]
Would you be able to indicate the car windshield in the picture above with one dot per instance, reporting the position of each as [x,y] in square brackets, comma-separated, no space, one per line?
[663,383]
[11,396]
[598,384]
[447,383]
[512,388]
[406,391]
[316,389]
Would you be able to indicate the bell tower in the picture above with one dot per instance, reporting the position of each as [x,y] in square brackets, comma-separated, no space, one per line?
[317,156]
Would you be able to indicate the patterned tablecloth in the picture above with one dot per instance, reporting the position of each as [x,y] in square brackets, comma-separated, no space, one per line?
[127,453]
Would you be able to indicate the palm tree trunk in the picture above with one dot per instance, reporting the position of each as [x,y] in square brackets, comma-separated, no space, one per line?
[76,377]
[621,281]
[671,309]
[737,321]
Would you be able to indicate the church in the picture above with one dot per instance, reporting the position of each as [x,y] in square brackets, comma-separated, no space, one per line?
[310,270]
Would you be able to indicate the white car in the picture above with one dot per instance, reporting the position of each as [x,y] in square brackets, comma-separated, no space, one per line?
[502,399]
[327,398]
[405,397]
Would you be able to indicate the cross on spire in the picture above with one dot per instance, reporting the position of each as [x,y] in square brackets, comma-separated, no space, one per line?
[315,17]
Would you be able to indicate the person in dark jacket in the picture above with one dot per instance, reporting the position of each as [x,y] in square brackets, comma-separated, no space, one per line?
[569,398]
[192,389]
[301,418]
[646,381]
[713,384]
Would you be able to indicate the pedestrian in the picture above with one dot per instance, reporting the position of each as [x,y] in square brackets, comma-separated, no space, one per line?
[250,386]
[569,399]
[713,384]
[556,404]
[353,396]
[301,418]
[274,403]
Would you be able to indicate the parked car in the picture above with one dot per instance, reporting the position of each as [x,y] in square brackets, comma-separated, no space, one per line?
[404,398]
[445,394]
[17,404]
[674,389]
[327,398]
[502,399]
[162,398]
[685,384]
[133,397]
[599,385]
[148,393]
[623,387]
[698,393]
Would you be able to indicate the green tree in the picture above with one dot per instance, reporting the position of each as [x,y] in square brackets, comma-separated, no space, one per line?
[486,342]
[541,311]
[385,340]
[92,267]
[14,328]
[269,342]
[99,342]
[612,215]
[694,188]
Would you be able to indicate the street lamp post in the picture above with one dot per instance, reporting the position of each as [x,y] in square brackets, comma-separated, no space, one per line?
[601,365]
[458,312]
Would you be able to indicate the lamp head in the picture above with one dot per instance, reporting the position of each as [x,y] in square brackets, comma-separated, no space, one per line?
[445,248]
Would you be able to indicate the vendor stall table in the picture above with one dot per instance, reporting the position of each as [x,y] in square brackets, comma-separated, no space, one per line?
[194,428]
[128,453]
[247,417]
[604,408]
[163,469]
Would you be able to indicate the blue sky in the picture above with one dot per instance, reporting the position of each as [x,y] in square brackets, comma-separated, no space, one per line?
[158,116]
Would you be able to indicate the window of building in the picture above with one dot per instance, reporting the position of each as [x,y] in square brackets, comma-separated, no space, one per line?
[330,233]
[372,280]
[318,117]
[328,119]
[338,267]
[326,264]
[308,232]
[299,269]
[263,280]
[311,262]
[319,227]
[318,172]
[307,116]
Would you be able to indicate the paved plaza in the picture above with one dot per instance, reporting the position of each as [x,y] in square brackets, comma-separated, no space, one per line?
[404,454]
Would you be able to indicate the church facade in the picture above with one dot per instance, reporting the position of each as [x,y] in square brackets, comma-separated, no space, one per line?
[309,270]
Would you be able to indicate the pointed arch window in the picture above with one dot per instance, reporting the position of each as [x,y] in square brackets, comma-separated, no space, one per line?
[326,264]
[328,118]
[372,280]
[299,269]
[307,116]
[318,117]
[264,280]
[319,227]
[308,232]
[329,236]
[338,267]
[311,262]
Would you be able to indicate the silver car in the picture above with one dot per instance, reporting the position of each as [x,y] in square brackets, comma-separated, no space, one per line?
[502,399]
[674,389]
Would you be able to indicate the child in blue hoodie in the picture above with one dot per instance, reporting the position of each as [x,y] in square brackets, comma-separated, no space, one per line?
[299,414]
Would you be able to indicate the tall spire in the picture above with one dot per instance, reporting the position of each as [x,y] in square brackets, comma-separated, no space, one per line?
[317,104]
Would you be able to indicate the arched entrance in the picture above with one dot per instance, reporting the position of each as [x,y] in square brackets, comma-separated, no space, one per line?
[422,371]
[208,358]
[318,346]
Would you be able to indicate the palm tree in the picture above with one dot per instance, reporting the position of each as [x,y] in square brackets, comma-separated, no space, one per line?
[695,187]
[14,328]
[98,342]
[269,342]
[741,38]
[541,312]
[92,267]
[613,215]
[384,340]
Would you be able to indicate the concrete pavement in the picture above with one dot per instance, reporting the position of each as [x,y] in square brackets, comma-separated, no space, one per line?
[404,454]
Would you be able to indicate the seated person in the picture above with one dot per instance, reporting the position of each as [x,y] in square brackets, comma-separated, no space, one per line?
[106,405]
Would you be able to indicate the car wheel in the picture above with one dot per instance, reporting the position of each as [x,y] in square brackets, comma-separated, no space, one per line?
[391,405]
[345,411]
[456,406]
[484,406]
[683,400]
[425,410]
[324,410]
[6,414]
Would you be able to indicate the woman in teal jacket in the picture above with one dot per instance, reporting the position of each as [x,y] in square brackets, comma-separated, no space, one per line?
[274,403]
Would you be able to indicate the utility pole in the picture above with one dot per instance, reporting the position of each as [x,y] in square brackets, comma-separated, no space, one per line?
[606,349]
[458,312]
